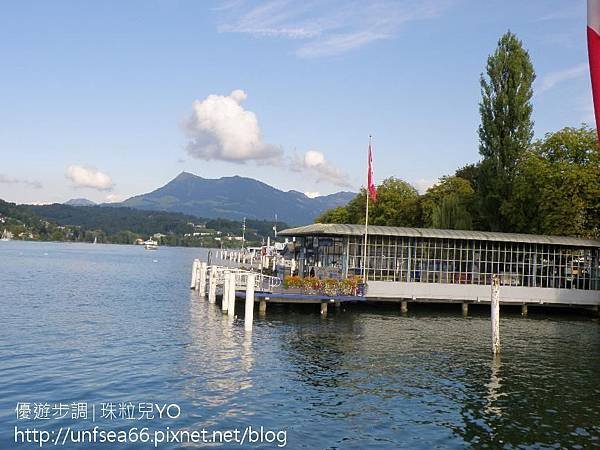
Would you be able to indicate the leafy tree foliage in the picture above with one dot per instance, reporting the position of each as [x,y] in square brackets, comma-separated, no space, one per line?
[506,126]
[60,222]
[397,205]
[449,204]
[556,188]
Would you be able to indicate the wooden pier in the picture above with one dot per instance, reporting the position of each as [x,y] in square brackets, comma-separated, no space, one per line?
[236,283]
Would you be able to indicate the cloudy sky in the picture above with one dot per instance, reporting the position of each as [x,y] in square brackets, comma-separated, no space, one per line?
[109,99]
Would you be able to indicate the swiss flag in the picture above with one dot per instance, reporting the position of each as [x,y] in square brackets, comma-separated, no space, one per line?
[593,35]
[371,184]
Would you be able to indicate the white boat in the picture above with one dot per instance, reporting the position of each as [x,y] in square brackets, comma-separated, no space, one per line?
[150,244]
[6,235]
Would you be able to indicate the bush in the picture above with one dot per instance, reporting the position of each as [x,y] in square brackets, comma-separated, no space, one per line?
[329,286]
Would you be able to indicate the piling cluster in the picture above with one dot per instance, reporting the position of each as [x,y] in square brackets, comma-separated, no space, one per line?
[206,280]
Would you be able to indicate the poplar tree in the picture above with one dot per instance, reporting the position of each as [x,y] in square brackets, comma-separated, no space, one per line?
[506,128]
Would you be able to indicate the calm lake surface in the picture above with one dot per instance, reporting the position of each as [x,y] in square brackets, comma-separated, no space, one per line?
[106,323]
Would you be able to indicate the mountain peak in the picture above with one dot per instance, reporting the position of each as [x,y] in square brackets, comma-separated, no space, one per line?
[185,176]
[79,202]
[234,197]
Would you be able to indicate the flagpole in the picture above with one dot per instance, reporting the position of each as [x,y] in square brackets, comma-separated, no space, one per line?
[366,216]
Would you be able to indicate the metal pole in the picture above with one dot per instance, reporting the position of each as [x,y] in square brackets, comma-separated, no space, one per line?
[366,218]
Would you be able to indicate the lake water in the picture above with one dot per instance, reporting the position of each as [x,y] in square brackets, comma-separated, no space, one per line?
[85,326]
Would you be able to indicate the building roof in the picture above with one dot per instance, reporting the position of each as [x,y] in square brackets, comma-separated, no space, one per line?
[329,229]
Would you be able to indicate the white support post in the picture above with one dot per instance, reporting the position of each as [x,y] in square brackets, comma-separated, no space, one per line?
[225,297]
[201,280]
[404,307]
[212,285]
[194,273]
[249,316]
[323,309]
[231,296]
[495,314]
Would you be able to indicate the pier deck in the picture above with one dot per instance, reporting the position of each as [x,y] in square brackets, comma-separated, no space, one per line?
[279,297]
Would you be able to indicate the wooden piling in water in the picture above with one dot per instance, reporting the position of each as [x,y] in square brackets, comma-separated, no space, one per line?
[524,310]
[225,297]
[465,309]
[231,296]
[324,308]
[495,313]
[194,273]
[201,280]
[404,307]
[212,285]
[249,312]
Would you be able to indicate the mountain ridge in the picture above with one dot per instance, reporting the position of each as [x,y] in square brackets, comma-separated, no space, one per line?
[234,197]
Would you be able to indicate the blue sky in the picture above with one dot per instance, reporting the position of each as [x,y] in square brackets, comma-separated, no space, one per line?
[110,99]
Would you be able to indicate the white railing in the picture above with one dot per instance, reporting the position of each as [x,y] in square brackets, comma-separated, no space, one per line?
[261,282]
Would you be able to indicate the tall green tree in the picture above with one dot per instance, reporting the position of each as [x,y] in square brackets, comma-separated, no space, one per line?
[449,204]
[506,128]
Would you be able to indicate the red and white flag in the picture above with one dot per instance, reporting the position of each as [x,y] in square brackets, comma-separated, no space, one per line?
[593,35]
[370,183]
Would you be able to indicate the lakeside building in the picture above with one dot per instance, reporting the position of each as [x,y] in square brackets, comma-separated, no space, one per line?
[453,265]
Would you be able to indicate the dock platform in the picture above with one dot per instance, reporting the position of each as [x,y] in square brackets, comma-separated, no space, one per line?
[280,297]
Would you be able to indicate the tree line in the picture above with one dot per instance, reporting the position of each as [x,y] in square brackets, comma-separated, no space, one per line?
[120,225]
[545,186]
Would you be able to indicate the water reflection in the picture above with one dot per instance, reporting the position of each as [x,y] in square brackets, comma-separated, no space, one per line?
[111,324]
[494,387]
[218,360]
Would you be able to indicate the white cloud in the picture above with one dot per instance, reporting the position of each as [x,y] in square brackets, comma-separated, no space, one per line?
[422,185]
[39,203]
[327,27]
[312,194]
[313,159]
[114,198]
[4,179]
[221,129]
[552,79]
[89,177]
[313,162]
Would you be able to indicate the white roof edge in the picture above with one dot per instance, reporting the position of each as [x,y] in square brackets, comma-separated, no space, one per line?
[358,230]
